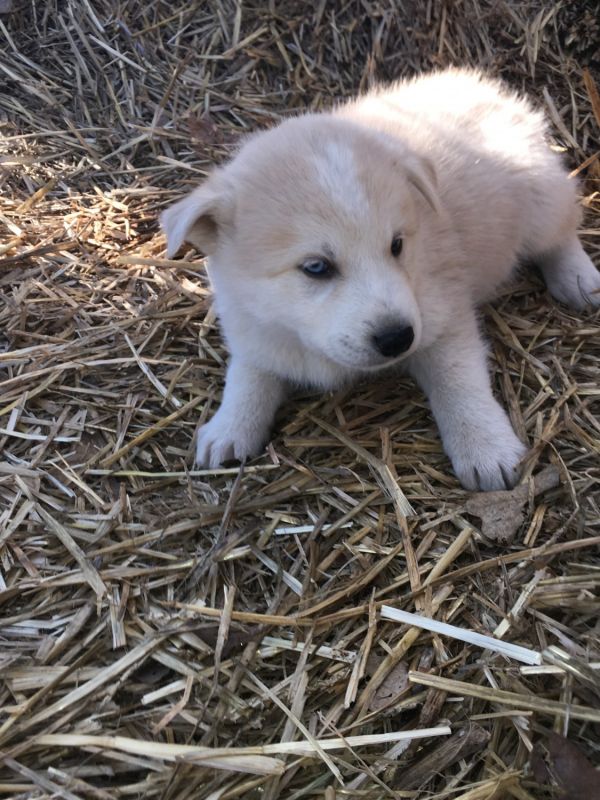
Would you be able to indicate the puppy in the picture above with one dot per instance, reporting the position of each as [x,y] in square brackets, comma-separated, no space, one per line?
[346,242]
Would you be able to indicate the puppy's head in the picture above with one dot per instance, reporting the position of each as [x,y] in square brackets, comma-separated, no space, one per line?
[316,232]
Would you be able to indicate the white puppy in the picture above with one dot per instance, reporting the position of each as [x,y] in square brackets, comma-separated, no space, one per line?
[345,242]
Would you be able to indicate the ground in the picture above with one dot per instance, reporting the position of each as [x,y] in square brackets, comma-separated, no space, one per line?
[186,611]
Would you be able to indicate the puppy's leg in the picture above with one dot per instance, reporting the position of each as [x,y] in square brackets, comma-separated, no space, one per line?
[241,426]
[570,275]
[476,432]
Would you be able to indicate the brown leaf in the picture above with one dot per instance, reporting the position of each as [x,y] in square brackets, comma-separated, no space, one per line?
[538,766]
[394,684]
[501,513]
[561,763]
[205,133]
[572,770]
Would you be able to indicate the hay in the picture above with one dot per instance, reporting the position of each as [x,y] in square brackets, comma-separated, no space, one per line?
[218,634]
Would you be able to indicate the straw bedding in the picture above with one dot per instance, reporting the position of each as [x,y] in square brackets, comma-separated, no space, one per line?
[177,634]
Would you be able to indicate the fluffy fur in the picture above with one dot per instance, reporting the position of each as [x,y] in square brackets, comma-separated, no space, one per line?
[452,162]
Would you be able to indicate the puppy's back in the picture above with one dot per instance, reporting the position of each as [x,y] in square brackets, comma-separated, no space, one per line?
[496,176]
[459,108]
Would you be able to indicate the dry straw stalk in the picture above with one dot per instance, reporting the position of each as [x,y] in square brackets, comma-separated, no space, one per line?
[150,611]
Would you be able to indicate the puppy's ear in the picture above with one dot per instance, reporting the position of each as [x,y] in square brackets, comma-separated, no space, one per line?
[421,174]
[198,218]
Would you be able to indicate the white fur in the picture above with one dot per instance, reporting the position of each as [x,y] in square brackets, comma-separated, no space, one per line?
[229,435]
[453,162]
[335,171]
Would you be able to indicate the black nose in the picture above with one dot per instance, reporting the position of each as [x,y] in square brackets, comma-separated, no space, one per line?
[392,341]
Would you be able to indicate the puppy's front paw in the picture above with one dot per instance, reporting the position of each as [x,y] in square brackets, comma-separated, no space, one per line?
[225,439]
[484,462]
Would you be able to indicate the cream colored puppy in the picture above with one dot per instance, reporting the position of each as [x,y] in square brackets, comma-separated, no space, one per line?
[346,242]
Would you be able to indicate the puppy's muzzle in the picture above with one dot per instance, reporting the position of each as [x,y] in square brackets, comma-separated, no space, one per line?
[393,341]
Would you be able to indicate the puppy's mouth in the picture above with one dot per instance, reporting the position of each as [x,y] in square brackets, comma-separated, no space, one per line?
[378,352]
[369,362]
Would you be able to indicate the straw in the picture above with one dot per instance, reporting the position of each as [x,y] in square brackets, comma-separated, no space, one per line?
[523,654]
[169,631]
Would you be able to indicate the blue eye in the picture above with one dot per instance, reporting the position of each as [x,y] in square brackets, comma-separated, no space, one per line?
[317,268]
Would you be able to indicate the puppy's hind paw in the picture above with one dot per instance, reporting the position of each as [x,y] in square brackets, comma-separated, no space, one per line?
[571,277]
